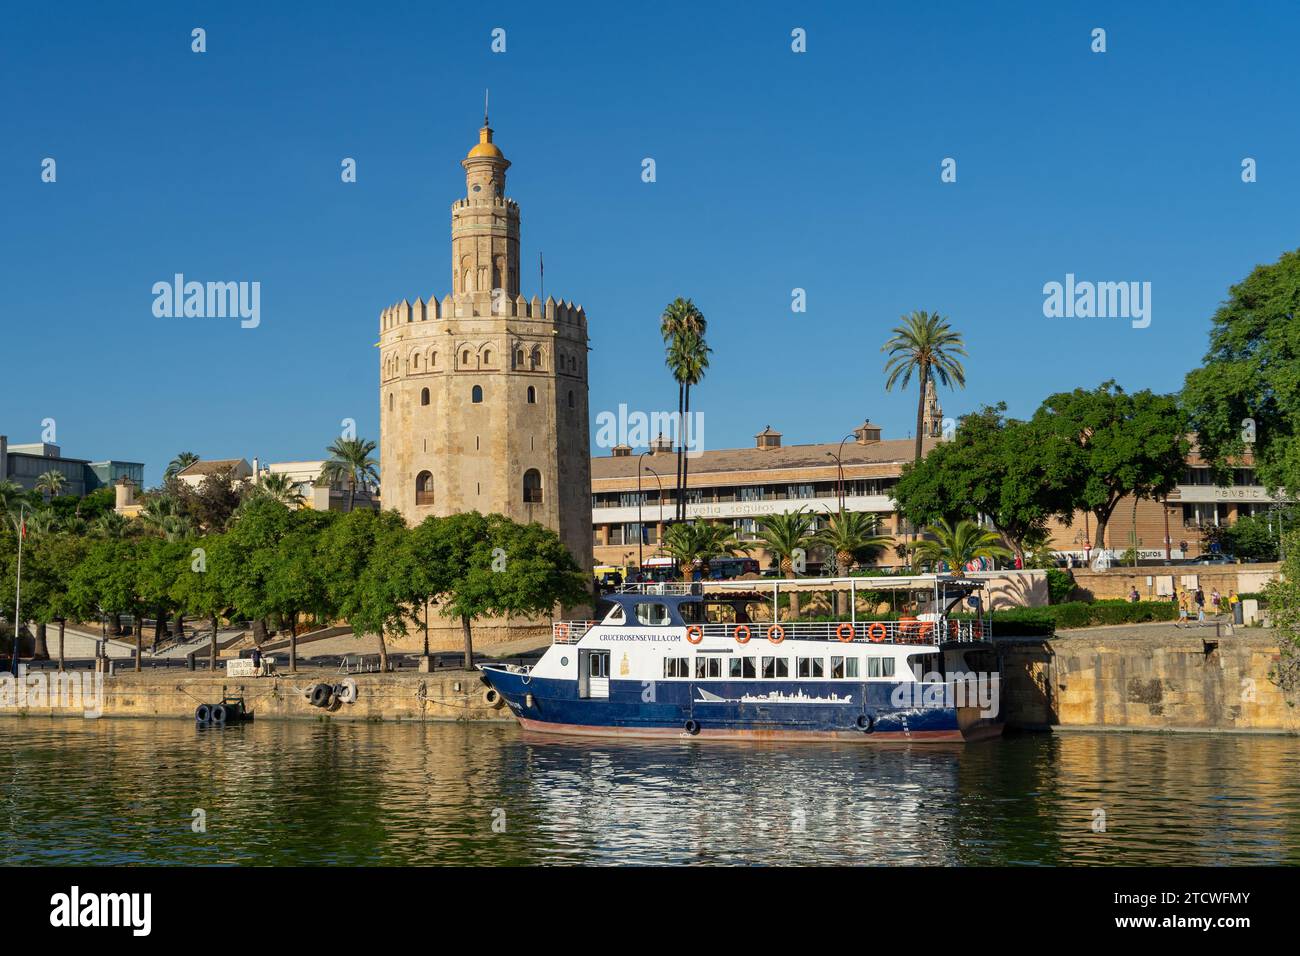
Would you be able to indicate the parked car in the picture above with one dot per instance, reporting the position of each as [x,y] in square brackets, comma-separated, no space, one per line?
[1213,559]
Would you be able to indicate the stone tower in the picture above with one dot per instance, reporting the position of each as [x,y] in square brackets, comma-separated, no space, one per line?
[483,393]
[932,420]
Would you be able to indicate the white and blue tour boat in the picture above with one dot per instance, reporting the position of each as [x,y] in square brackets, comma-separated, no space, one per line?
[713,660]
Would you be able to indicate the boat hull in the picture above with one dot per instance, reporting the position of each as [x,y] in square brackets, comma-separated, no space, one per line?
[860,712]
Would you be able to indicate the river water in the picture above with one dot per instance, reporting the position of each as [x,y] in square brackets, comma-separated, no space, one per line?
[126,791]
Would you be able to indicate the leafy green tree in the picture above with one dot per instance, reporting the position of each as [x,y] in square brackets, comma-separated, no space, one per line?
[1283,596]
[490,566]
[926,346]
[995,467]
[105,582]
[58,559]
[199,591]
[159,563]
[352,589]
[351,464]
[956,546]
[1104,444]
[1246,395]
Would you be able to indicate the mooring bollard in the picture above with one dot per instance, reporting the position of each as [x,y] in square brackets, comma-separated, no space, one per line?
[189,661]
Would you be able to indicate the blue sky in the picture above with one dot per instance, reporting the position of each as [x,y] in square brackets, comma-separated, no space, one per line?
[775,170]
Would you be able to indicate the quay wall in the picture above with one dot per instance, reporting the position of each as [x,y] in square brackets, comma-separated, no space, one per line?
[398,696]
[1157,580]
[1147,677]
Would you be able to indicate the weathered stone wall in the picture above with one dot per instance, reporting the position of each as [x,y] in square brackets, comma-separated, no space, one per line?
[1152,677]
[451,695]
[1117,582]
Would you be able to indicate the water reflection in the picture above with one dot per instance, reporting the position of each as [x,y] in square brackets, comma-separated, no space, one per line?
[122,792]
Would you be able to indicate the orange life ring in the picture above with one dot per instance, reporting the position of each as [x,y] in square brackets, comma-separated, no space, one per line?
[839,633]
[778,629]
[736,632]
[697,631]
[562,632]
[976,630]
[877,632]
[923,634]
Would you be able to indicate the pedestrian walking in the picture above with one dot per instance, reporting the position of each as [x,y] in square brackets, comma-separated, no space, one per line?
[1200,607]
[1215,601]
[1184,606]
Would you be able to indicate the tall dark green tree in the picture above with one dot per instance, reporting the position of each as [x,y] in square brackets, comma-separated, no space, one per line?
[994,467]
[1246,395]
[1102,444]
[683,326]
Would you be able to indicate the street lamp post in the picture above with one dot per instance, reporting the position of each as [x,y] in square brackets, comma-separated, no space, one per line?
[20,528]
[660,483]
[839,468]
[640,525]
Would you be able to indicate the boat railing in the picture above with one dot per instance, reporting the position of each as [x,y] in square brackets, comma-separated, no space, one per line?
[846,632]
[662,587]
[907,631]
[570,632]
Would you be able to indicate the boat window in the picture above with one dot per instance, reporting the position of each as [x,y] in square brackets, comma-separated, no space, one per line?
[708,666]
[677,667]
[811,667]
[850,667]
[742,667]
[923,664]
[888,667]
[873,666]
[776,667]
[837,667]
[652,614]
[615,616]
[692,612]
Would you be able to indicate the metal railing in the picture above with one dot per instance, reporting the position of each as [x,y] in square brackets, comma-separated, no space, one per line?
[860,632]
[570,632]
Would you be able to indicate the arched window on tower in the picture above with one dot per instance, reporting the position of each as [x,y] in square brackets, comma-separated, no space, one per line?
[424,488]
[536,357]
[487,356]
[476,395]
[532,395]
[571,398]
[424,396]
[415,361]
[464,358]
[390,401]
[532,487]
[519,358]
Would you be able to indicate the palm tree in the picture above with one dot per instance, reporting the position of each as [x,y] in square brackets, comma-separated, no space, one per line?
[180,463]
[680,318]
[690,356]
[280,487]
[51,483]
[351,463]
[927,345]
[957,546]
[785,535]
[109,525]
[10,494]
[163,515]
[693,543]
[846,535]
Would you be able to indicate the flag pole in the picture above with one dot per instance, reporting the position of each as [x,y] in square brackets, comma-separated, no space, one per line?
[18,582]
